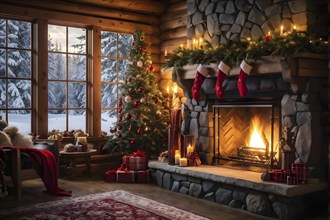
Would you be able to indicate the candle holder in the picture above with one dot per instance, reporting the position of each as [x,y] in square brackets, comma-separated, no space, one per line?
[188,141]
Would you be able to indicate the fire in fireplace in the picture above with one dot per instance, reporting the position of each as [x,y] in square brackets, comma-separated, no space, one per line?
[247,134]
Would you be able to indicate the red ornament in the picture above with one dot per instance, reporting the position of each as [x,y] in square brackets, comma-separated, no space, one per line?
[134,63]
[139,131]
[152,68]
[136,102]
[119,127]
[156,101]
[119,135]
[136,116]
[120,110]
[129,79]
[140,89]
[144,48]
[128,116]
[113,130]
[133,141]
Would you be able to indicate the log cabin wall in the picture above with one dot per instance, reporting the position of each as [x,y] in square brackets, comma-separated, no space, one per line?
[117,16]
[173,28]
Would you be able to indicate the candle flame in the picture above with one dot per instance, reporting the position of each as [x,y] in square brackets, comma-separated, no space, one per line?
[168,90]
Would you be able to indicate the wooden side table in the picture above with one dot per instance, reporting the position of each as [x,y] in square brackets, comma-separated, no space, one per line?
[72,156]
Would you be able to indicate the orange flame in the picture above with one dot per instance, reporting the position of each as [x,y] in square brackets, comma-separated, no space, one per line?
[256,137]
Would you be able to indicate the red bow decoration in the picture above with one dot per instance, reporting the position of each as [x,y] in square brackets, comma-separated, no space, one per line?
[194,156]
[138,154]
[123,168]
[108,172]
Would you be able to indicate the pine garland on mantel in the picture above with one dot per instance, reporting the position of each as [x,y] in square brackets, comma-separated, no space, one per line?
[233,53]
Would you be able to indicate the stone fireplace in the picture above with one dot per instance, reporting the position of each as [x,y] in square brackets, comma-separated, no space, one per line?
[288,102]
[288,96]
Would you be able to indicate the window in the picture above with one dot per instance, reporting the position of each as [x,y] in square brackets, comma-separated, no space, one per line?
[115,50]
[66,78]
[16,73]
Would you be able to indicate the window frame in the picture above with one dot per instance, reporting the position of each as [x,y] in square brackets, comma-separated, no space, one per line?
[67,81]
[6,48]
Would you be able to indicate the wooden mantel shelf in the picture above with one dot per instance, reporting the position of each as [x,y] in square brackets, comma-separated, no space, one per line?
[299,65]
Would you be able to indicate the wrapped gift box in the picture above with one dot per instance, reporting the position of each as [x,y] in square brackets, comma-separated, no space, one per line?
[142,176]
[194,162]
[111,176]
[125,176]
[291,179]
[301,171]
[135,163]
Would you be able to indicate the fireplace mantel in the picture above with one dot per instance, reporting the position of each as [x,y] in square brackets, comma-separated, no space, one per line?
[298,65]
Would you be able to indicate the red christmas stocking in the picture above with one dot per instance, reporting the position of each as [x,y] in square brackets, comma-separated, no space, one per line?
[241,84]
[223,71]
[201,74]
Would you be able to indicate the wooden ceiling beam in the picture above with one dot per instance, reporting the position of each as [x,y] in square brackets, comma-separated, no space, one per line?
[143,6]
[74,19]
[64,6]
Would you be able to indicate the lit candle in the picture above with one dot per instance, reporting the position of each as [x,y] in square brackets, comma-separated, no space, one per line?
[190,149]
[268,36]
[281,30]
[294,27]
[183,162]
[177,157]
[200,43]
[181,46]
[168,90]
[165,53]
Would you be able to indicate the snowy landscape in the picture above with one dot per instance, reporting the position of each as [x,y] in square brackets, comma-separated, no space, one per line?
[66,73]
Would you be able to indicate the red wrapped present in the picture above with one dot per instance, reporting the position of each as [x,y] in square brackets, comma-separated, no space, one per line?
[142,176]
[136,161]
[194,160]
[301,171]
[280,176]
[291,179]
[111,175]
[125,176]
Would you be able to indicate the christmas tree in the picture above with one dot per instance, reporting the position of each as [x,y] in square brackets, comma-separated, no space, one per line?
[142,117]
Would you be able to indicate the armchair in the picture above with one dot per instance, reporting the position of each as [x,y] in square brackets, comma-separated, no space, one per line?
[19,165]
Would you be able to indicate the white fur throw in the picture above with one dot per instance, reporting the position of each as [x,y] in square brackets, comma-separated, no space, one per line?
[18,139]
[5,139]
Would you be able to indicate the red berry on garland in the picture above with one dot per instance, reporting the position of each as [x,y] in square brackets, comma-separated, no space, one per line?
[140,89]
[139,131]
[119,127]
[136,102]
[133,141]
[128,116]
[152,68]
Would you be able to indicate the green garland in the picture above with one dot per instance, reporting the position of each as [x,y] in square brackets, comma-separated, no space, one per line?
[233,53]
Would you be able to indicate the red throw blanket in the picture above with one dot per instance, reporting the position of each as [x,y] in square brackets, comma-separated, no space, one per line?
[46,166]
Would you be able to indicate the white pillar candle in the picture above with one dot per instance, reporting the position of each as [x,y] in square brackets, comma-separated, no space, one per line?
[177,158]
[190,149]
[183,162]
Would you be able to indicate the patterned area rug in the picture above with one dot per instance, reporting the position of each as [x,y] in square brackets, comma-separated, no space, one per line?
[116,204]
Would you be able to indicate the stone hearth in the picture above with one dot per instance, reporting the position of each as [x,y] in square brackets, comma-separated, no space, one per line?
[241,189]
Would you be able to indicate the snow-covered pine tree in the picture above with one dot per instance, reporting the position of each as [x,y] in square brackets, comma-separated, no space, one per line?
[142,117]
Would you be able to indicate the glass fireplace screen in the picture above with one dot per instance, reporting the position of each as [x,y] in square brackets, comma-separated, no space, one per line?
[247,134]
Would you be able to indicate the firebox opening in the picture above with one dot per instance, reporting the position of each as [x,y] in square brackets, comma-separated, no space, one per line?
[247,134]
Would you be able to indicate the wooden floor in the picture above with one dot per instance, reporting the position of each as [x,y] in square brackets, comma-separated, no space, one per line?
[33,193]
